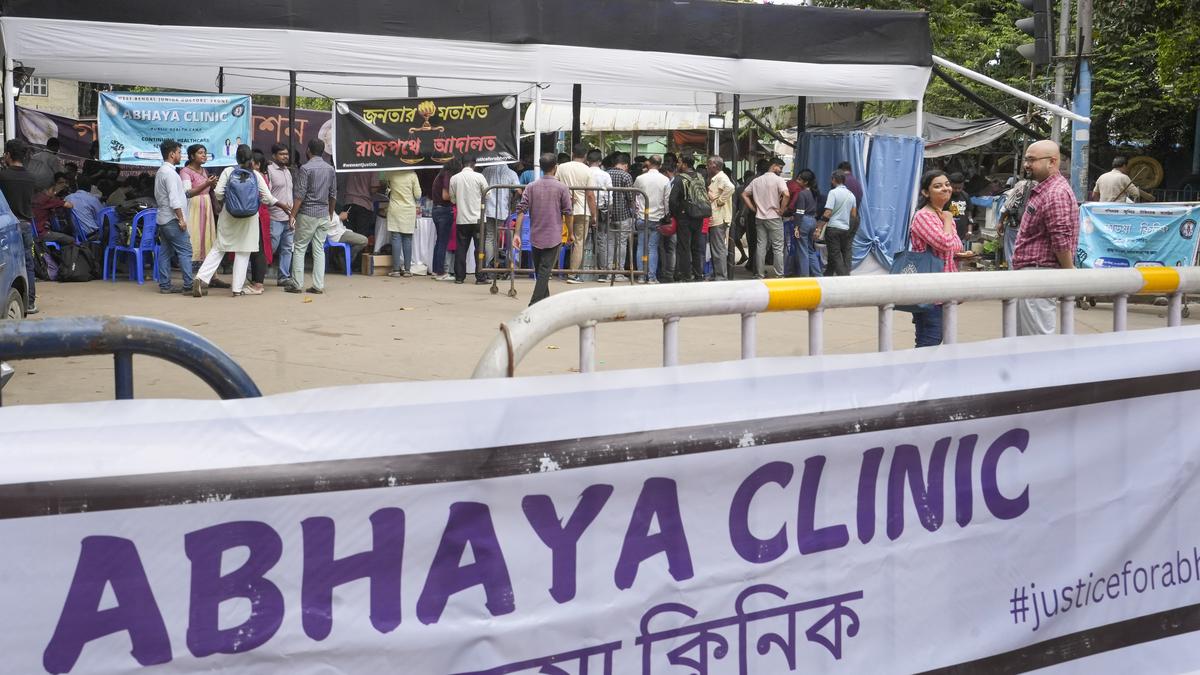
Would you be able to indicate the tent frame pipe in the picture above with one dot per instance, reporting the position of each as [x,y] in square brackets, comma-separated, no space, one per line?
[1011,91]
[10,101]
[292,118]
[537,130]
[733,233]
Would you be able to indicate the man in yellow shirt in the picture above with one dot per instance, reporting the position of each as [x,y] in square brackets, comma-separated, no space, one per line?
[720,195]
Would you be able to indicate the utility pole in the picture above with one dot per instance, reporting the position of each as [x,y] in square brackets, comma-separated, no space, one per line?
[1081,131]
[1060,66]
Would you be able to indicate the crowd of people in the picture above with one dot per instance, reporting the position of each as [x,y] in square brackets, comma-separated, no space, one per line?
[663,216]
[679,214]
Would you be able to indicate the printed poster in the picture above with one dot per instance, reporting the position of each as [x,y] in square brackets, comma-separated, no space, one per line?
[418,133]
[1137,235]
[132,125]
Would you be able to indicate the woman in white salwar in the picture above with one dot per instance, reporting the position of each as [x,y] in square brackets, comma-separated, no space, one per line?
[238,235]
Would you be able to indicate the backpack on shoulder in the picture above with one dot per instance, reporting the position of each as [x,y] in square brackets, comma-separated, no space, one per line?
[241,194]
[695,196]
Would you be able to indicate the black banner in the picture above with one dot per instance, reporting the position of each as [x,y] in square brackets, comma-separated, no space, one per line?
[416,133]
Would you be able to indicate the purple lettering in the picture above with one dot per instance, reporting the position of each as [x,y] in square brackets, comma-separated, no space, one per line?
[205,548]
[808,538]
[103,561]
[381,565]
[659,499]
[749,547]
[867,478]
[963,498]
[562,540]
[1002,507]
[469,523]
[927,497]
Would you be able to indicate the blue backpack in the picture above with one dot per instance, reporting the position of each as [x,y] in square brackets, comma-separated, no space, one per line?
[241,194]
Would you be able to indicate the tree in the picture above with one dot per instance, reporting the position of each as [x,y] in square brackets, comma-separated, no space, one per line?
[977,34]
[1144,85]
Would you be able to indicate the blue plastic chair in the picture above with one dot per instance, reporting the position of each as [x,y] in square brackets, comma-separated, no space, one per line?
[145,230]
[104,216]
[49,244]
[114,236]
[79,238]
[329,243]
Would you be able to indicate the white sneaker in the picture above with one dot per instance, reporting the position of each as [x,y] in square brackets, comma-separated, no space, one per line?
[444,277]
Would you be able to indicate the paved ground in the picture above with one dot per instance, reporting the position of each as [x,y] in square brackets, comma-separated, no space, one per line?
[377,329]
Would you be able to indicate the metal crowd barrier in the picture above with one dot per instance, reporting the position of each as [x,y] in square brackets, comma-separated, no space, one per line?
[669,303]
[124,336]
[512,270]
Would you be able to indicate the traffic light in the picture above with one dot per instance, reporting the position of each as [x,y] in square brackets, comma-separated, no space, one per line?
[1038,26]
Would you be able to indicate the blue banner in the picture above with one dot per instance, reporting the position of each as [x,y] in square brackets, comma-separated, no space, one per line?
[1137,235]
[132,125]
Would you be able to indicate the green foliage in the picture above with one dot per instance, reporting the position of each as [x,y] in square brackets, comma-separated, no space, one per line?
[977,34]
[1145,70]
[1141,94]
[1178,47]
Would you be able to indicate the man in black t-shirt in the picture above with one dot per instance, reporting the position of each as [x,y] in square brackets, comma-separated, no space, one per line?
[17,184]
[960,208]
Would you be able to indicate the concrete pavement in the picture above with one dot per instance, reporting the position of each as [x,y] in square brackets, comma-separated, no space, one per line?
[379,329]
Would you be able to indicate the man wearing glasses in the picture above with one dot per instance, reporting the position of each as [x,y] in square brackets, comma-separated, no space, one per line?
[1048,235]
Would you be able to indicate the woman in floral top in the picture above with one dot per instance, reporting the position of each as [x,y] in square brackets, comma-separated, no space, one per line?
[933,229]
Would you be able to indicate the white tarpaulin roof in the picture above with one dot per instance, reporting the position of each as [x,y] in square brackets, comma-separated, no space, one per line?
[368,48]
[943,135]
[557,117]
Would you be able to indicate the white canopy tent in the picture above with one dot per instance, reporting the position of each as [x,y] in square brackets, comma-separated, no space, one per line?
[633,54]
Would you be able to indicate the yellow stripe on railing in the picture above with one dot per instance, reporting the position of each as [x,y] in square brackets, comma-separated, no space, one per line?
[798,293]
[1159,279]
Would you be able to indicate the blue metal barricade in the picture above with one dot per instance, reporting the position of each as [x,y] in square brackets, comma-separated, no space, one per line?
[124,336]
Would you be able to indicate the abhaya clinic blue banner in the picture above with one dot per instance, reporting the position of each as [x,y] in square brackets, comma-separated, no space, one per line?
[1137,235]
[133,124]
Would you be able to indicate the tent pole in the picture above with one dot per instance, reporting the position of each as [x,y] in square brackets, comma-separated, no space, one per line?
[292,117]
[10,101]
[733,233]
[221,80]
[1011,91]
[412,88]
[916,190]
[801,115]
[537,131]
[717,132]
[576,104]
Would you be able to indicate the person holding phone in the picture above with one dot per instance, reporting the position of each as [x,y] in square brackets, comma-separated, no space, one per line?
[933,229]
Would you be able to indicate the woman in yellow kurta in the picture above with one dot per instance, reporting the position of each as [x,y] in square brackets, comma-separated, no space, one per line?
[403,192]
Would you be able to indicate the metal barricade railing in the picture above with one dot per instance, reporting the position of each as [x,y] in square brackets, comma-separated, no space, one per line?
[514,252]
[670,303]
[124,336]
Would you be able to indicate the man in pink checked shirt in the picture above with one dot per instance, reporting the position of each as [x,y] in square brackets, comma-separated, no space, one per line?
[546,200]
[1048,236]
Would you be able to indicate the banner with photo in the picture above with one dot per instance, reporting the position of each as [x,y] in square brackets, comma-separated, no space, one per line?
[269,126]
[419,133]
[74,136]
[132,125]
[1137,235]
[988,507]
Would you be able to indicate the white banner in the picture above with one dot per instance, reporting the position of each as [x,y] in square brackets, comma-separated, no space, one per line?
[989,507]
